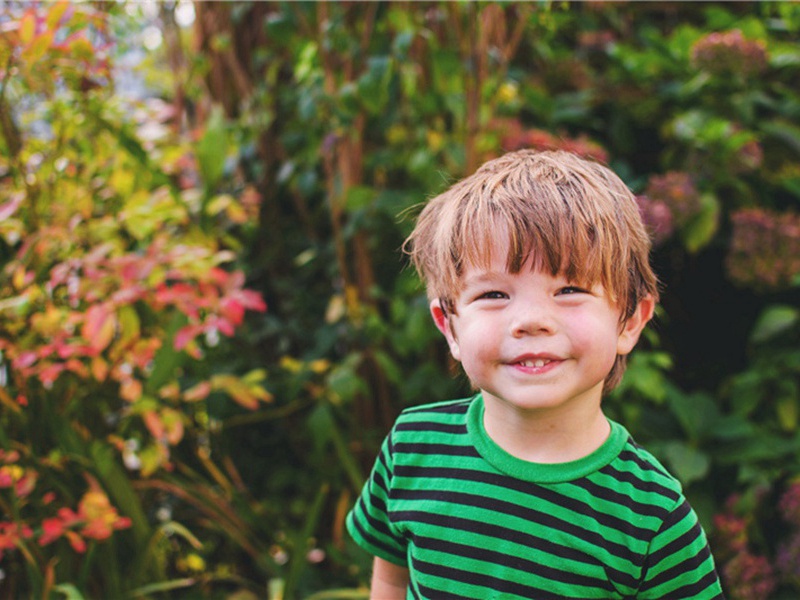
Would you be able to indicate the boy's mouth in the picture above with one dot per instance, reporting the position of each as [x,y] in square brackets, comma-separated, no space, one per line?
[534,361]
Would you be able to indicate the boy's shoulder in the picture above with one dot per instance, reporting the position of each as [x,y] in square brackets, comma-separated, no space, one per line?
[635,461]
[452,412]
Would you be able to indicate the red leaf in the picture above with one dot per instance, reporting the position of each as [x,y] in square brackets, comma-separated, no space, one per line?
[197,392]
[186,335]
[25,360]
[252,300]
[10,207]
[232,310]
[77,542]
[99,327]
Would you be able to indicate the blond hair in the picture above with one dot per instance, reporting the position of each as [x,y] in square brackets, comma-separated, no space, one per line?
[573,215]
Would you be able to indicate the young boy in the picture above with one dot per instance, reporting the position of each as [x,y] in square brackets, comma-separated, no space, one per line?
[538,276]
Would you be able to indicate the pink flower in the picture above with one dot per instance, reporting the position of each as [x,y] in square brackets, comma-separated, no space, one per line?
[729,53]
[657,218]
[677,191]
[52,529]
[731,532]
[787,558]
[11,534]
[749,577]
[789,504]
[764,251]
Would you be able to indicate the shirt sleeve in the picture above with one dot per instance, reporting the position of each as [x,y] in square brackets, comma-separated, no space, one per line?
[368,522]
[679,564]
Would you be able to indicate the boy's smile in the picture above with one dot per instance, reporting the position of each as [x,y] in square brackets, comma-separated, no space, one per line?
[537,345]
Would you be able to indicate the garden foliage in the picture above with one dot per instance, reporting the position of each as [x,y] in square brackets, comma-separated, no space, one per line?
[207,324]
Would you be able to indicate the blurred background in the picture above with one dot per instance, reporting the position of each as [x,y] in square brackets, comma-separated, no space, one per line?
[207,325]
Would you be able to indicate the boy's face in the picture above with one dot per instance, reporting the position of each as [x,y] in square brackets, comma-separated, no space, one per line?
[533,341]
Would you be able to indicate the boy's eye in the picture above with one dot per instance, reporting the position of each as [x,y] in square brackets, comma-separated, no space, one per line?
[493,295]
[571,289]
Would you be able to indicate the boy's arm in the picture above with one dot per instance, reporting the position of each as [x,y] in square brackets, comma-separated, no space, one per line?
[389,581]
[680,561]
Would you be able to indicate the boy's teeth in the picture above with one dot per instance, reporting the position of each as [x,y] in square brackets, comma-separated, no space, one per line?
[539,362]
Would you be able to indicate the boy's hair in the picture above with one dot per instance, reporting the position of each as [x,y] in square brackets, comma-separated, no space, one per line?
[576,217]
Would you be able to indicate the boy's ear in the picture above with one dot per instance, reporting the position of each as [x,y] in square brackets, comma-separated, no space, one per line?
[444,324]
[633,327]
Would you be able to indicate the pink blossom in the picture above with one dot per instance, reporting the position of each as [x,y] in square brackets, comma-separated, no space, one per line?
[677,191]
[789,504]
[729,52]
[764,251]
[657,218]
[749,577]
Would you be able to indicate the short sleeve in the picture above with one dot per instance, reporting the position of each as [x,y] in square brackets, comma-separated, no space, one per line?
[679,563]
[368,522]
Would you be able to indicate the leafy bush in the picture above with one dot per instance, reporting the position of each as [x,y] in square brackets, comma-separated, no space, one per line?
[112,288]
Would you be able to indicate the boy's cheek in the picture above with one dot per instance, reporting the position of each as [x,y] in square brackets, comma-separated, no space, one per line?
[455,350]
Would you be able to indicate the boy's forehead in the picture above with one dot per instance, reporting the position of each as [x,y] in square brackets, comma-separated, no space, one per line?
[496,257]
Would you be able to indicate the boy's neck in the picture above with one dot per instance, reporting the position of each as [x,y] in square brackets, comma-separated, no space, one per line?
[546,437]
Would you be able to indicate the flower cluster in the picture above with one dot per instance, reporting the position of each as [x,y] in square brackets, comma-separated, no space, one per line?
[731,533]
[764,251]
[748,157]
[787,556]
[95,519]
[657,218]
[789,504]
[14,476]
[106,340]
[747,575]
[514,136]
[596,40]
[729,53]
[787,559]
[678,192]
[12,534]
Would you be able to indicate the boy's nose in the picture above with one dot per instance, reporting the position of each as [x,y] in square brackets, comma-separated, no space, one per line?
[531,321]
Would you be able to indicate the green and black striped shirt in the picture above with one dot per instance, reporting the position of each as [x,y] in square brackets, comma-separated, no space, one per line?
[471,521]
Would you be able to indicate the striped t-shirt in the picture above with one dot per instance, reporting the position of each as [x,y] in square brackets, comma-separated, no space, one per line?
[472,521]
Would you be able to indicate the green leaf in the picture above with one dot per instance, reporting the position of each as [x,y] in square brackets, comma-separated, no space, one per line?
[322,424]
[686,462]
[760,447]
[702,227]
[167,360]
[343,381]
[389,367]
[373,85]
[163,586]
[731,427]
[773,321]
[306,61]
[786,408]
[359,197]
[785,131]
[69,591]
[696,412]
[212,149]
